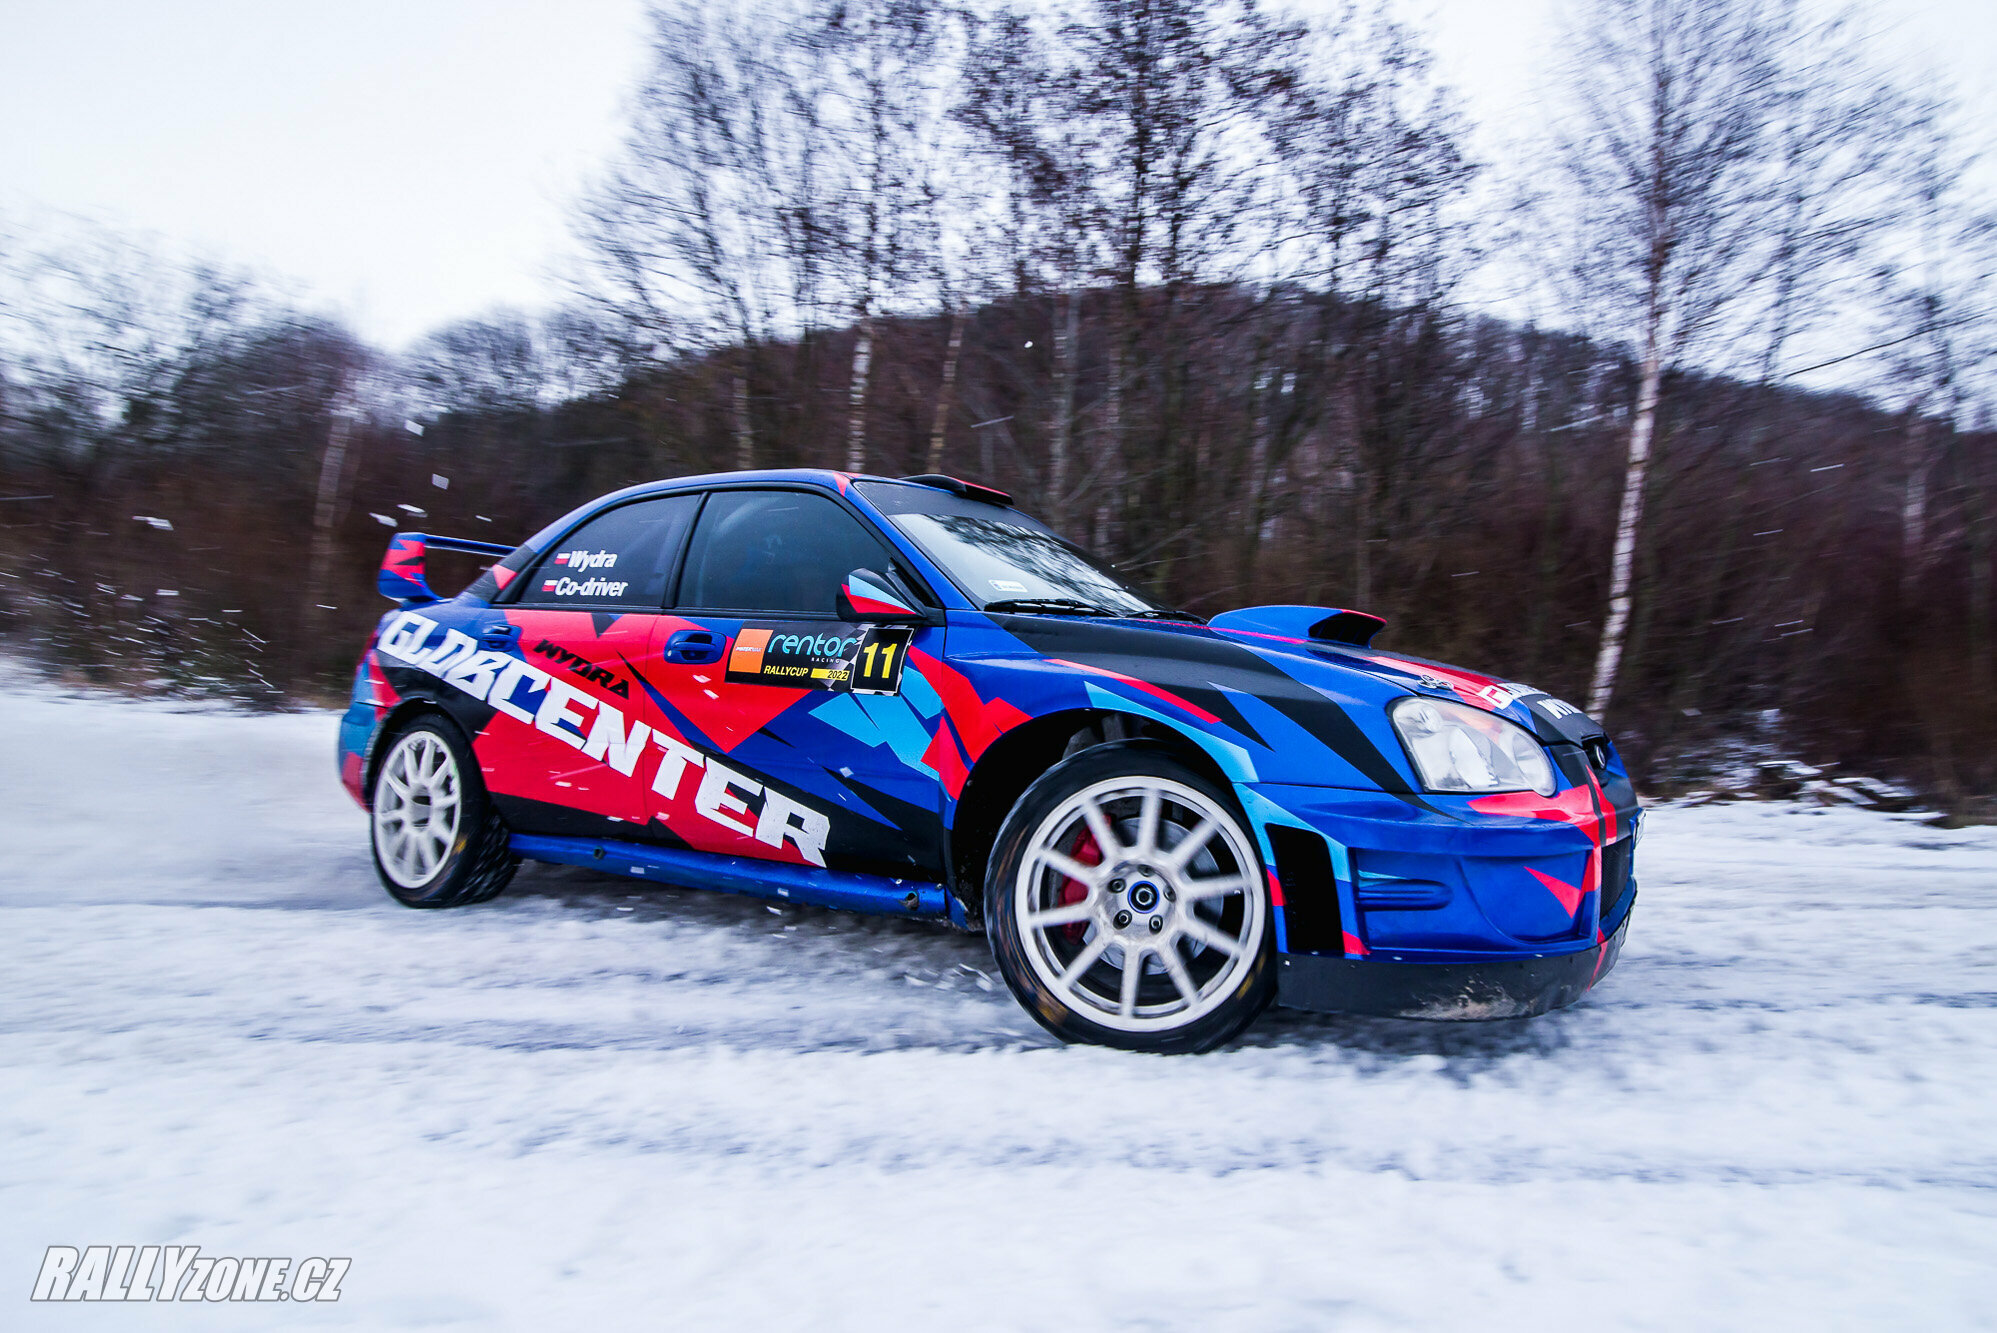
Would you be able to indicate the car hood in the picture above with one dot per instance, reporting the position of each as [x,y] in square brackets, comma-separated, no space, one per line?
[1297,675]
[1320,664]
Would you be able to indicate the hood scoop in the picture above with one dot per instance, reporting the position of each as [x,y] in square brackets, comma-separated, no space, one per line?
[1301,624]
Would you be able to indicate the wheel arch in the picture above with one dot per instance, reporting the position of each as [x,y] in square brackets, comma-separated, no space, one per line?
[393,723]
[1015,760]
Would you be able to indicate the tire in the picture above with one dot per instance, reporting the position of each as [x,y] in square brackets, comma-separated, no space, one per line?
[1163,941]
[437,840]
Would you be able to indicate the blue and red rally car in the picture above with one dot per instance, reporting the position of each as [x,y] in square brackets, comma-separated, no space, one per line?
[905,696]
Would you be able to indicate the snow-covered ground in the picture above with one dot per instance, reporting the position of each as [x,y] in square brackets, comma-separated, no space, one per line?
[595,1105]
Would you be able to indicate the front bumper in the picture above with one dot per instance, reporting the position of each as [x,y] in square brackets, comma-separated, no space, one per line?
[1500,988]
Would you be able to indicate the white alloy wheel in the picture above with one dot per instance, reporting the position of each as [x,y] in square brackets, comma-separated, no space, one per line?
[1137,904]
[417,806]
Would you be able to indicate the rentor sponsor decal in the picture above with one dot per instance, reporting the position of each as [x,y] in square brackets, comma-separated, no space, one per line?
[529,695]
[859,659]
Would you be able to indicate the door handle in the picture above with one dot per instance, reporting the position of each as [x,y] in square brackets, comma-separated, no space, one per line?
[499,636]
[695,647]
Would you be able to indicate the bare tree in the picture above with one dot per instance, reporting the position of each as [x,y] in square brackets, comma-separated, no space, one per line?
[885,95]
[1168,92]
[1939,327]
[708,231]
[1371,160]
[1662,190]
[1165,159]
[492,364]
[1838,133]
[506,361]
[1039,233]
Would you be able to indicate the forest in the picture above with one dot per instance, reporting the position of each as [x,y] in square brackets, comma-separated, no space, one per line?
[1679,407]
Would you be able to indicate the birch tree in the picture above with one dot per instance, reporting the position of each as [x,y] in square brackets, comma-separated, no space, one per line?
[886,96]
[1940,323]
[1661,186]
[1014,102]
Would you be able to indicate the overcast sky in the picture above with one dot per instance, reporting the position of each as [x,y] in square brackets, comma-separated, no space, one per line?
[411,161]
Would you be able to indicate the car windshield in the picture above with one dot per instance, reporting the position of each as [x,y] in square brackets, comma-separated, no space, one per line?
[1001,558]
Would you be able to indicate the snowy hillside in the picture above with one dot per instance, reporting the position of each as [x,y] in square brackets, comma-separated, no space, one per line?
[595,1104]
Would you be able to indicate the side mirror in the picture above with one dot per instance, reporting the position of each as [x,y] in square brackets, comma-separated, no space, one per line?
[878,598]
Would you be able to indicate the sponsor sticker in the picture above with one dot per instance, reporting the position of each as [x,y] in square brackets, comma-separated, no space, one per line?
[582,666]
[807,656]
[584,721]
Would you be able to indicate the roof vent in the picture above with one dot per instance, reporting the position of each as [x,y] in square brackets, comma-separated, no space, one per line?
[1300,624]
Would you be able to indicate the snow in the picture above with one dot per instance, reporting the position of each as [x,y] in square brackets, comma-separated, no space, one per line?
[600,1103]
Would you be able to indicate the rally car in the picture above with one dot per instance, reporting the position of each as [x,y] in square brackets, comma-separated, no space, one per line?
[908,697]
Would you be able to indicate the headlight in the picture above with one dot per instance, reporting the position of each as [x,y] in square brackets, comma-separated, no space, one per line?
[1460,748]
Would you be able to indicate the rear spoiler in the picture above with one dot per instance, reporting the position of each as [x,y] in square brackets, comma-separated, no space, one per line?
[402,579]
[970,490]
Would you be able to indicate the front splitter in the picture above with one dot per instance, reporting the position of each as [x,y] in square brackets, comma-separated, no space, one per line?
[1500,988]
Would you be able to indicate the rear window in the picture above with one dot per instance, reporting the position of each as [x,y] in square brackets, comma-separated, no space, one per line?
[622,557]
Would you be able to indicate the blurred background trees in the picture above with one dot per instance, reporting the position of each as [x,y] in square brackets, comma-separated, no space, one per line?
[1196,281]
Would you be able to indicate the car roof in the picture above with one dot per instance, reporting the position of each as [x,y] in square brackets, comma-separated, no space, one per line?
[814,478]
[792,476]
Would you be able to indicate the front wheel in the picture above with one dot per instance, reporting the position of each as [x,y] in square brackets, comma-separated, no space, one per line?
[1127,906]
[437,840]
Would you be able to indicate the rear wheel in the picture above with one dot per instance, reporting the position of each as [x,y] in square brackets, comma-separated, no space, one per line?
[1127,906]
[437,841]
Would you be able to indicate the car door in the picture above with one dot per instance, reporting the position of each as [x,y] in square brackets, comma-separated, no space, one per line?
[568,749]
[803,736]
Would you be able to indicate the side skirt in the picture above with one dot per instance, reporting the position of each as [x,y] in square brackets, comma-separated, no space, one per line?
[775,880]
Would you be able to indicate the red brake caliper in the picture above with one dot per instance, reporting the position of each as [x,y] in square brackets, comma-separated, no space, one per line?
[1073,890]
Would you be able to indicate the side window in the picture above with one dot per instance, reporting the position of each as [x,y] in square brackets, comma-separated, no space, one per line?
[619,558]
[774,551]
